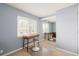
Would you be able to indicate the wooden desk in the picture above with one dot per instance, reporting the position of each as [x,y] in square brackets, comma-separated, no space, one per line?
[28,37]
[47,35]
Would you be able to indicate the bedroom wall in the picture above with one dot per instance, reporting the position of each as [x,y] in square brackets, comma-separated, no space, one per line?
[52,27]
[78,29]
[66,28]
[8,27]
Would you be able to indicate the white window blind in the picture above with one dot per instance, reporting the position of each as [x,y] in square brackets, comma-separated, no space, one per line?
[45,26]
[25,26]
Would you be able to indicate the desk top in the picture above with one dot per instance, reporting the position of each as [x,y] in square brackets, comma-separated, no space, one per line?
[29,36]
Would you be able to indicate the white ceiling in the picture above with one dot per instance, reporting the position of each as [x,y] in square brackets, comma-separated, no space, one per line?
[50,19]
[40,9]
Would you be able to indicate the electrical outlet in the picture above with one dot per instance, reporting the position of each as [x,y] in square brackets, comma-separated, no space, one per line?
[1,52]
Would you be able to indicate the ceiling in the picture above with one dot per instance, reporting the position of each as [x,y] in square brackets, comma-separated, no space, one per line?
[50,19]
[40,9]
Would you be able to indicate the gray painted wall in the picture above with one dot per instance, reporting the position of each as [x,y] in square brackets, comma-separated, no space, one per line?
[66,28]
[8,27]
[78,28]
[52,27]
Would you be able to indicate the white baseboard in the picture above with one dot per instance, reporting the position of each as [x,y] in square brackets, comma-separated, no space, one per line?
[11,52]
[78,52]
[75,54]
[16,50]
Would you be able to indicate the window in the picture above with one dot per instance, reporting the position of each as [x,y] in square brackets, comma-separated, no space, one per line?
[25,26]
[45,26]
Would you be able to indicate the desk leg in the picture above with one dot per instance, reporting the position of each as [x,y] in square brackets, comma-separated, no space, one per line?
[38,41]
[27,44]
[48,36]
[34,41]
[23,43]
